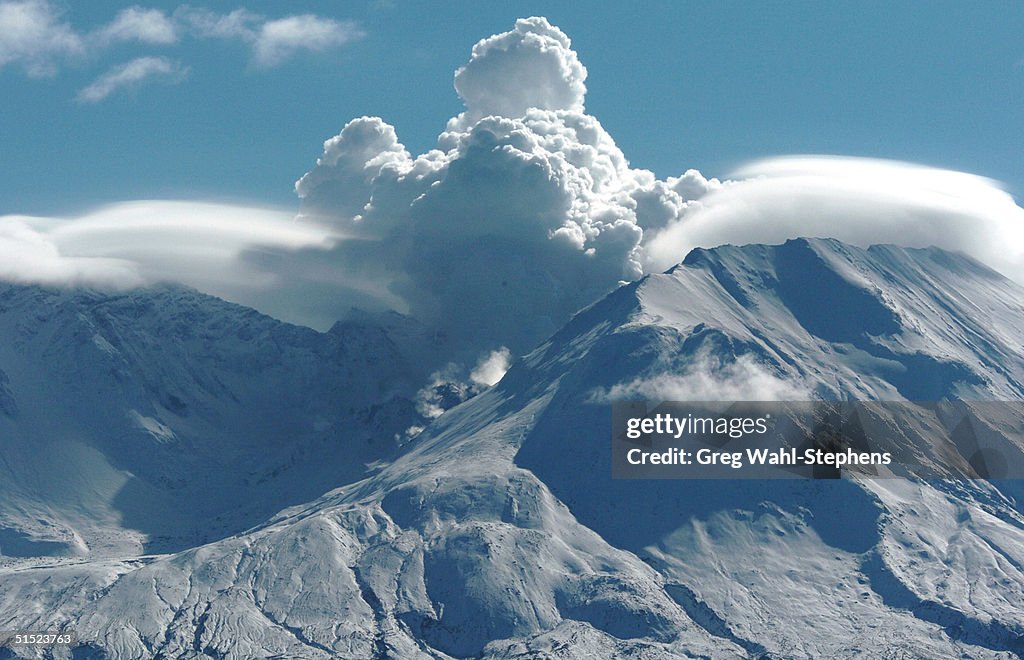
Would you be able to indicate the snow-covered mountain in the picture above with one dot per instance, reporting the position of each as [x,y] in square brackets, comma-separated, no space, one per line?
[498,531]
[163,418]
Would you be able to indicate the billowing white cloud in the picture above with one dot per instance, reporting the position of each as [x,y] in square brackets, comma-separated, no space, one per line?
[34,36]
[531,66]
[857,200]
[150,26]
[132,74]
[525,212]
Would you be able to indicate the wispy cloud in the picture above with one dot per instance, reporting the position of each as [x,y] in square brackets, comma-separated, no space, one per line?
[272,41]
[150,26]
[204,23]
[34,37]
[132,74]
[37,36]
[281,39]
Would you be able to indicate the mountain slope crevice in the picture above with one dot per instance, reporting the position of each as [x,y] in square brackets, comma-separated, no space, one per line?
[704,616]
[993,634]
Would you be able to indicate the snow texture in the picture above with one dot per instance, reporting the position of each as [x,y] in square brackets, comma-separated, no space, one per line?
[497,531]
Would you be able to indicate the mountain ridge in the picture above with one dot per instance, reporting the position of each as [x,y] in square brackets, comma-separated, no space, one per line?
[499,531]
[168,411]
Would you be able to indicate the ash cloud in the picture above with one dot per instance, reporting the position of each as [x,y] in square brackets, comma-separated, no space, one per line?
[525,211]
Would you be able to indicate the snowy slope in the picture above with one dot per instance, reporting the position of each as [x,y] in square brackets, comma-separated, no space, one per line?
[883,323]
[163,418]
[499,532]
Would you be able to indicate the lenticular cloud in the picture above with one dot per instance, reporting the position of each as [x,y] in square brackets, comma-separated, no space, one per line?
[217,248]
[862,201]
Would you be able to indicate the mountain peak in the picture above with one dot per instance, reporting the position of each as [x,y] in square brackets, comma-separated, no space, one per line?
[915,318]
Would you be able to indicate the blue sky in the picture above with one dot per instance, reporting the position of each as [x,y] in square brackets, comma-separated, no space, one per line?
[677,84]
